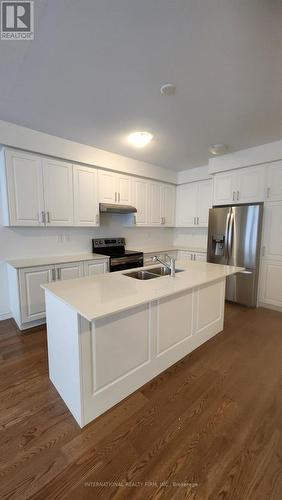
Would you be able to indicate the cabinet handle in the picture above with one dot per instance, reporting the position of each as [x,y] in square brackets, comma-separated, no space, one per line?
[238,195]
[43,219]
[268,192]
[119,197]
[59,274]
[233,195]
[134,219]
[115,196]
[53,275]
[198,218]
[194,219]
[48,217]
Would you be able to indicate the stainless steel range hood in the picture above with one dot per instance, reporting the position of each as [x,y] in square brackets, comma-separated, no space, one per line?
[110,208]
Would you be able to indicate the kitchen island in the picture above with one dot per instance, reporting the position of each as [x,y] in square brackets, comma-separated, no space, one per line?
[110,334]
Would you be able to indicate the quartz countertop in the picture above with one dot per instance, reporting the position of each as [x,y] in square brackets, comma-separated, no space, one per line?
[164,248]
[99,296]
[54,259]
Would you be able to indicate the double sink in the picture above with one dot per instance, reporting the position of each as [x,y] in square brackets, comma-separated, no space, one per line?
[151,273]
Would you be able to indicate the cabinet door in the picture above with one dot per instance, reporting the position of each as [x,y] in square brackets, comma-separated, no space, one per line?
[58,192]
[274,182]
[93,267]
[141,201]
[168,209]
[86,210]
[124,189]
[204,202]
[156,218]
[184,255]
[224,188]
[69,271]
[107,191]
[25,189]
[31,293]
[271,283]
[200,256]
[186,205]
[250,184]
[272,233]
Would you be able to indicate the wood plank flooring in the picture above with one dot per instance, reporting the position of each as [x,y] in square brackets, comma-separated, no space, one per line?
[210,427]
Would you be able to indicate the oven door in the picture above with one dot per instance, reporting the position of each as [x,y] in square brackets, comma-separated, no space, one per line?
[121,263]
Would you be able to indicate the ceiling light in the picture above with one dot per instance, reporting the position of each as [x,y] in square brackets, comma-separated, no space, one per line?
[140,139]
[218,149]
[168,89]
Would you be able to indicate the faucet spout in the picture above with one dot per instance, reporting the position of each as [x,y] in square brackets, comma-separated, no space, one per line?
[170,265]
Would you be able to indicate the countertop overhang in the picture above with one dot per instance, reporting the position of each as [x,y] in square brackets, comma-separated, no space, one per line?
[95,297]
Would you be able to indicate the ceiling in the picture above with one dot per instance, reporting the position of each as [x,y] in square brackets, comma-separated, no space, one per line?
[94,71]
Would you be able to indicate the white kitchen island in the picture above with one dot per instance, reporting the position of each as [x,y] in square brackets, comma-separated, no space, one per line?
[110,334]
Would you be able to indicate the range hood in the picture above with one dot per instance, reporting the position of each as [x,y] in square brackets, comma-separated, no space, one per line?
[111,208]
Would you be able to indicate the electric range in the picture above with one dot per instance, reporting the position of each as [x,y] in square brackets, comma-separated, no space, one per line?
[120,258]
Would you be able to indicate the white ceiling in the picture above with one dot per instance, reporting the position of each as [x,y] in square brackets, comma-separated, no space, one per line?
[94,71]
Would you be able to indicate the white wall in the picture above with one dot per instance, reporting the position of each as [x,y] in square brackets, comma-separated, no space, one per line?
[194,237]
[28,242]
[38,142]
[193,174]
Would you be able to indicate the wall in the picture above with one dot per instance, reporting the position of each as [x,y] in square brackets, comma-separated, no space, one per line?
[38,142]
[28,242]
[193,174]
[194,237]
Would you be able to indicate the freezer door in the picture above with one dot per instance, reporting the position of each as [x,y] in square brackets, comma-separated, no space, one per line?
[244,235]
[242,287]
[219,219]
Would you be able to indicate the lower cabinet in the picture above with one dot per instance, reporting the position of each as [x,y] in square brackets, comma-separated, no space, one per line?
[186,255]
[26,295]
[271,284]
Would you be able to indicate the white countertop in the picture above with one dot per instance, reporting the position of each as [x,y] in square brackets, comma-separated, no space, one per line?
[156,249]
[54,259]
[98,296]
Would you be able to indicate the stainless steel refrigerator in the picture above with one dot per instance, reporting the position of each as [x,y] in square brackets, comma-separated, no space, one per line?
[234,238]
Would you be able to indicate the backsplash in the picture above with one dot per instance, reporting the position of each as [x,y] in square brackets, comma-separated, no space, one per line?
[195,237]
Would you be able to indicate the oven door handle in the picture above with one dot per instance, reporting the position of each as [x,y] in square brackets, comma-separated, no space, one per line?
[126,260]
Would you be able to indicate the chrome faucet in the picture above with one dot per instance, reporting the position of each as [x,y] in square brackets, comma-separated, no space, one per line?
[170,265]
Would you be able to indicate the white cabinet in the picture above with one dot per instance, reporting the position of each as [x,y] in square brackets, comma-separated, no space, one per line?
[26,295]
[156,217]
[193,201]
[114,188]
[69,271]
[274,181]
[36,191]
[93,267]
[168,204]
[85,191]
[31,294]
[245,185]
[22,189]
[141,190]
[271,284]
[272,232]
[58,192]
[189,255]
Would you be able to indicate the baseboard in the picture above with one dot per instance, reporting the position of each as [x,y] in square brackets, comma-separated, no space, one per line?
[270,306]
[7,315]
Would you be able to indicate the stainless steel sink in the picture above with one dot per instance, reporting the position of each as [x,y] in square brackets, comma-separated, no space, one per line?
[141,275]
[149,274]
[163,271]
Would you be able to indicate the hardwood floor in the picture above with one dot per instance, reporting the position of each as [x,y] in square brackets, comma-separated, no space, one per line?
[210,427]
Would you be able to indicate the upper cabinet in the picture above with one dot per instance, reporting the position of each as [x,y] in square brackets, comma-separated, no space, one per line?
[141,191]
[85,183]
[274,181]
[168,204]
[58,192]
[114,188]
[245,185]
[155,203]
[22,189]
[36,191]
[193,201]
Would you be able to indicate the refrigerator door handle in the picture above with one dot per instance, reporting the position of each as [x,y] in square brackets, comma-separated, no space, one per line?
[230,234]
[226,234]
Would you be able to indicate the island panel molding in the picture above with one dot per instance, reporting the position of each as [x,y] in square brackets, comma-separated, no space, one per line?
[108,358]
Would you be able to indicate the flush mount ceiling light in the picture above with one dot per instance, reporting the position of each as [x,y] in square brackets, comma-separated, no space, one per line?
[168,89]
[140,139]
[218,149]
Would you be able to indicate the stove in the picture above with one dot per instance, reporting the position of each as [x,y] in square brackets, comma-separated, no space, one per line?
[120,258]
